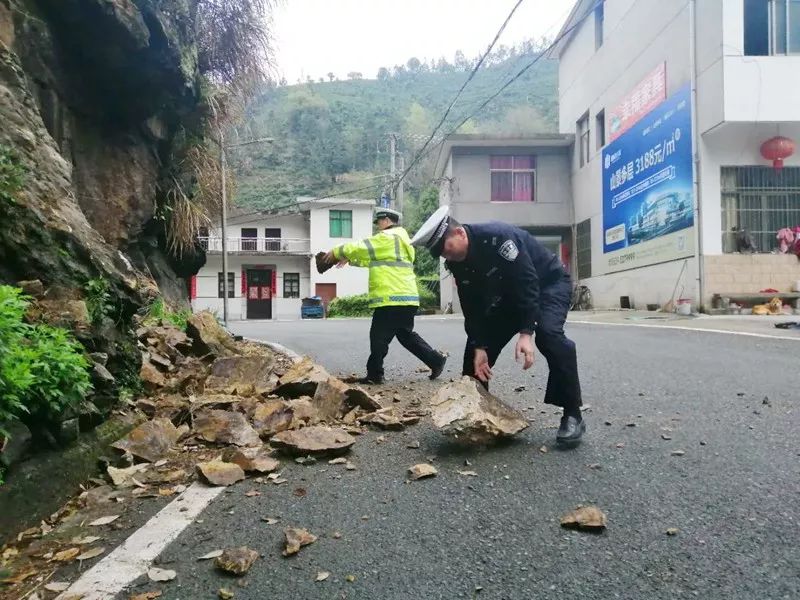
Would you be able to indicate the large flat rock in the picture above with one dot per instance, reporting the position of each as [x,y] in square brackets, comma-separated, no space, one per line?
[316,440]
[241,375]
[465,410]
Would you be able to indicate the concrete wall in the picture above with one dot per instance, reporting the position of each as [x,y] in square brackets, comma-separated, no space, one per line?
[291,226]
[749,273]
[470,191]
[349,280]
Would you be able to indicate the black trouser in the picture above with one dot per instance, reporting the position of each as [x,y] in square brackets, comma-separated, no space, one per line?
[389,322]
[563,387]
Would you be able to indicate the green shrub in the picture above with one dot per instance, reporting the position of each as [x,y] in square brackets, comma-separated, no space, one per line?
[350,306]
[98,299]
[159,311]
[12,174]
[428,292]
[42,369]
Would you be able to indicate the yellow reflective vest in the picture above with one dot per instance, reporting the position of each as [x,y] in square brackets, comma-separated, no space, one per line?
[390,258]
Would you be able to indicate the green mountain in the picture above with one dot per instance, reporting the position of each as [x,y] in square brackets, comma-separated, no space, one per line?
[332,136]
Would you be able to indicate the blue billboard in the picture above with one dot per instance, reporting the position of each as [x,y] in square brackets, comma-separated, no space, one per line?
[648,195]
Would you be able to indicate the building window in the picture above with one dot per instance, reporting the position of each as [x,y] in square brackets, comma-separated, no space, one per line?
[513,178]
[202,235]
[599,18]
[583,248]
[220,290]
[582,133]
[756,203]
[341,223]
[771,27]
[272,241]
[291,285]
[600,128]
[249,238]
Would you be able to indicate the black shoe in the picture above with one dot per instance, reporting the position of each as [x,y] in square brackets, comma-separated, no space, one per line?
[571,430]
[371,380]
[437,370]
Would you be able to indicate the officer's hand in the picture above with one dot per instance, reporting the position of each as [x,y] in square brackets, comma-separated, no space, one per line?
[342,263]
[330,258]
[524,350]
[480,365]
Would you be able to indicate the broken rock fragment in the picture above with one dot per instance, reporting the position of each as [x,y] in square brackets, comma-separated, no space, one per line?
[217,472]
[272,416]
[465,410]
[150,441]
[251,459]
[296,539]
[242,375]
[313,440]
[589,518]
[421,471]
[236,560]
[225,427]
[209,337]
[301,379]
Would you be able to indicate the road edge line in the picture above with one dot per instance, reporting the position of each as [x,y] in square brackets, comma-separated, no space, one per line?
[133,557]
[697,329]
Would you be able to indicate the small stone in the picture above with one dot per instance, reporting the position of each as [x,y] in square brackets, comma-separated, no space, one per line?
[156,574]
[225,594]
[672,531]
[666,436]
[678,453]
[350,578]
[543,449]
[236,560]
[296,539]
[588,518]
[621,445]
[421,471]
[702,443]
[413,445]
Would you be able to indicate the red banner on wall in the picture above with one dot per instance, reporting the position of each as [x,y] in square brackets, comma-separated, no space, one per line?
[648,94]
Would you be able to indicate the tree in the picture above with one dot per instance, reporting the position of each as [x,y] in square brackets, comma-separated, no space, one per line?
[521,120]
[418,208]
[331,76]
[383,74]
[354,76]
[413,65]
[460,62]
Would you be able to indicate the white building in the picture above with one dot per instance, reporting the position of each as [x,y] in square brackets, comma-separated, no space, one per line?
[663,106]
[633,74]
[270,259]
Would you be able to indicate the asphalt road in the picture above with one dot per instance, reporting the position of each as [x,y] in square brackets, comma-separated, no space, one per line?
[733,495]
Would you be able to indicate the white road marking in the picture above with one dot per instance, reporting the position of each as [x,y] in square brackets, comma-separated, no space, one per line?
[132,559]
[681,328]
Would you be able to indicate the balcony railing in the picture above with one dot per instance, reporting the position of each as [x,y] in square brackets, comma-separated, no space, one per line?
[239,245]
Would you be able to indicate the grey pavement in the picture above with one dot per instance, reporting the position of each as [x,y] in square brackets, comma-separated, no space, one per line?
[727,401]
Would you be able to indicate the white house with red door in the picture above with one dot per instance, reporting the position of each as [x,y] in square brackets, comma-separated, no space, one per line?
[270,259]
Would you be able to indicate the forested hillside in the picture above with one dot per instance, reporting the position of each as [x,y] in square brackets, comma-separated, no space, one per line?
[332,135]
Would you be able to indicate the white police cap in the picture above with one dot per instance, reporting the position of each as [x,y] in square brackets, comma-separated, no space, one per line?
[431,233]
[382,212]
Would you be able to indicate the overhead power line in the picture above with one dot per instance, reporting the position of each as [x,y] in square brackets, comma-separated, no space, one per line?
[424,152]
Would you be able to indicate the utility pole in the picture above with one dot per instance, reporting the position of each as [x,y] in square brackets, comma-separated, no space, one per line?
[224,216]
[392,162]
[400,190]
[223,161]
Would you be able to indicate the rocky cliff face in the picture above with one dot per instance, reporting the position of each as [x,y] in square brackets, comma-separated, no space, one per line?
[94,96]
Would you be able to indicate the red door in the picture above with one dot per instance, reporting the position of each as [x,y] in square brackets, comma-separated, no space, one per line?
[326,291]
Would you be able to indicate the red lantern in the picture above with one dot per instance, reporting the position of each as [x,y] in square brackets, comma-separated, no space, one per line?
[776,149]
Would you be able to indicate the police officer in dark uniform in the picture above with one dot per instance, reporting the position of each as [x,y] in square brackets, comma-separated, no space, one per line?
[509,284]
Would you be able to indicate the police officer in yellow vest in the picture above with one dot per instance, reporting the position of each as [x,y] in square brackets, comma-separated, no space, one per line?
[393,293]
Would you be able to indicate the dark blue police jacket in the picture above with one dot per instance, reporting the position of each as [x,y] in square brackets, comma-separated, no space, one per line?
[501,277]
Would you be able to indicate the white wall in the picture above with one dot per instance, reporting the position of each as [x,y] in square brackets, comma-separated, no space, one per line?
[349,280]
[282,308]
[291,226]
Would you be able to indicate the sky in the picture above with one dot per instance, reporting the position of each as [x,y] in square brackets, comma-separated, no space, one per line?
[314,37]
